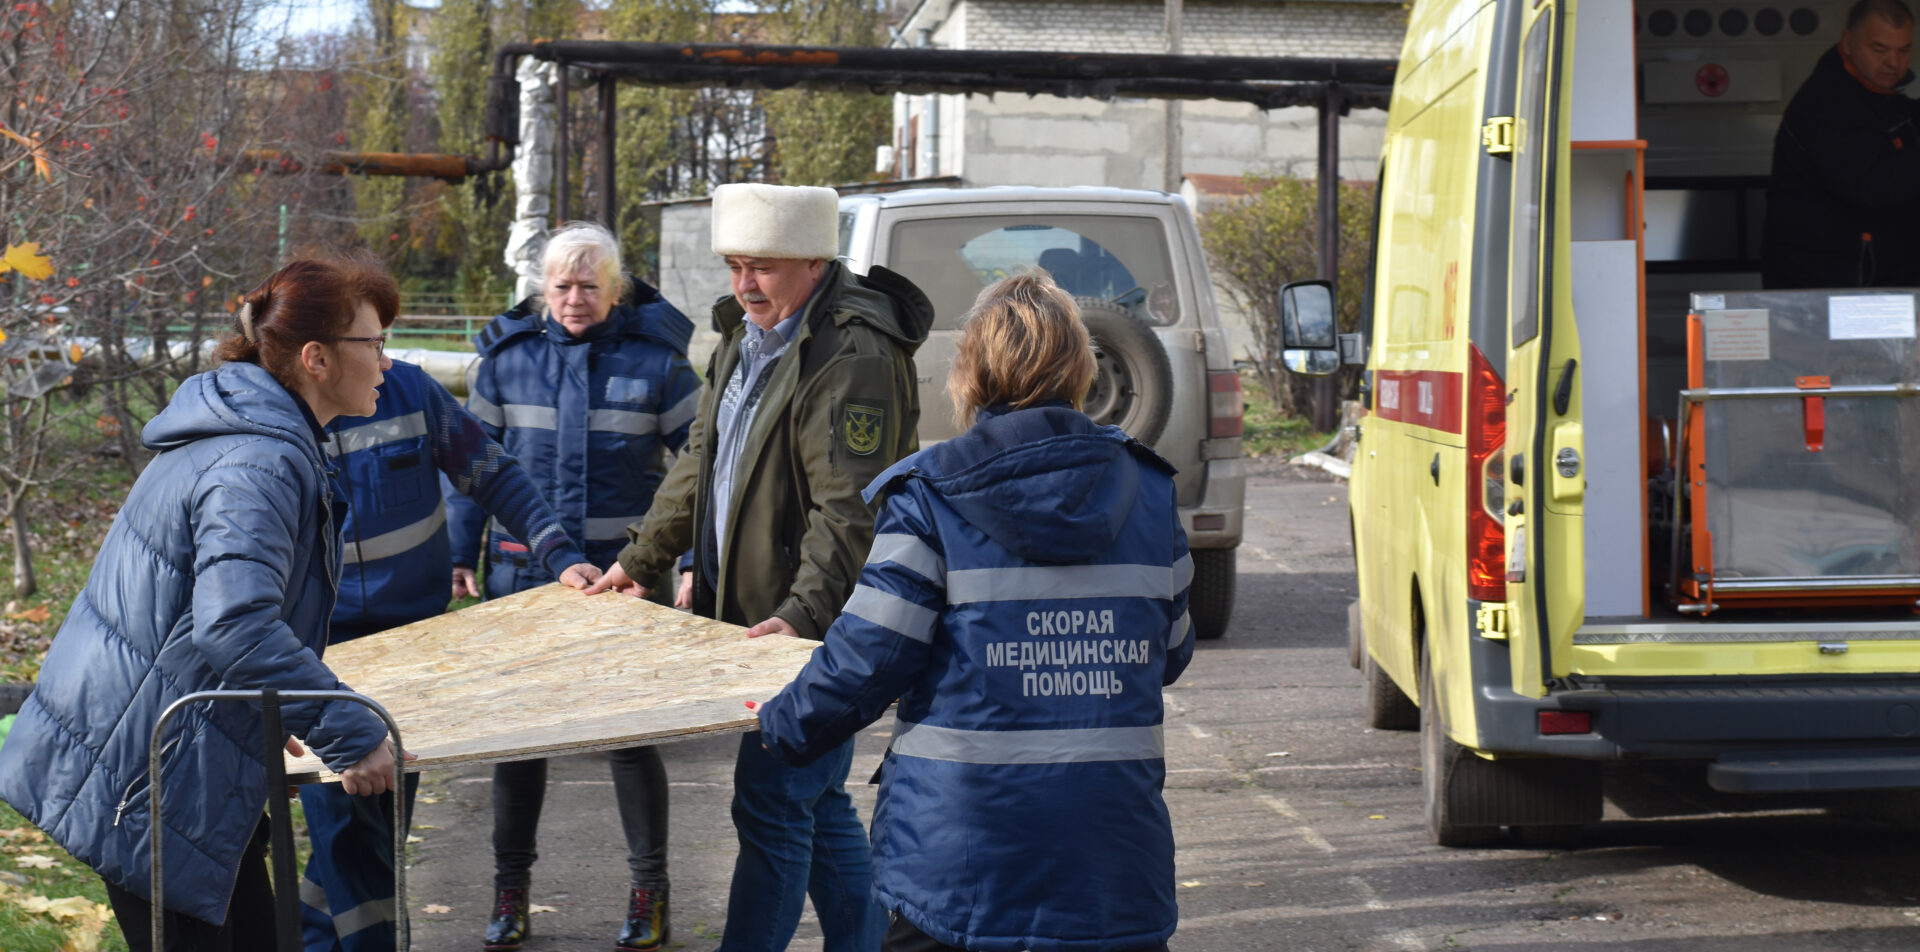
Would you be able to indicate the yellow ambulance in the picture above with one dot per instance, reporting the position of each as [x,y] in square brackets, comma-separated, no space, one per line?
[1611,500]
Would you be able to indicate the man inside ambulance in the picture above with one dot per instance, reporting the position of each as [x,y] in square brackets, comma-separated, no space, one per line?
[1843,203]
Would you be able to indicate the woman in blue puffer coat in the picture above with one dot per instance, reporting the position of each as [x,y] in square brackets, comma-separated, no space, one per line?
[1026,600]
[219,572]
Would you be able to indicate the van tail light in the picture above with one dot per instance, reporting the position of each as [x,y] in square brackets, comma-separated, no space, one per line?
[1487,480]
[1224,408]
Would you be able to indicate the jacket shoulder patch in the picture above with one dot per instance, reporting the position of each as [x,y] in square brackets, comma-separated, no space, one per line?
[861,426]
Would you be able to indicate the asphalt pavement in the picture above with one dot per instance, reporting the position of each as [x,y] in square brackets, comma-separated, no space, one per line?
[1298,827]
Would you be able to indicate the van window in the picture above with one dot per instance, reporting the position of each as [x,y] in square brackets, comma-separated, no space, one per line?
[847,218]
[1532,161]
[1119,258]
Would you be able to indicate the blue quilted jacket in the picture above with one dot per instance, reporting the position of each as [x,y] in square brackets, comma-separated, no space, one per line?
[398,559]
[218,573]
[588,417]
[1025,600]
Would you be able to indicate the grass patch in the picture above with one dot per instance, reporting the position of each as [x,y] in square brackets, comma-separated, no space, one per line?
[1270,433]
[68,520]
[35,876]
[398,342]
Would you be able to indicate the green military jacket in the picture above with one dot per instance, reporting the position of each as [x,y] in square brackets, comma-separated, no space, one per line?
[841,406]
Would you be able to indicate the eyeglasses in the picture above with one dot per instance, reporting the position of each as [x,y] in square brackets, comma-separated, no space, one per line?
[379,343]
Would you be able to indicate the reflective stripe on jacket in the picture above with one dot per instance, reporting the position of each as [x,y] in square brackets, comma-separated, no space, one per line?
[396,557]
[1025,599]
[218,573]
[588,418]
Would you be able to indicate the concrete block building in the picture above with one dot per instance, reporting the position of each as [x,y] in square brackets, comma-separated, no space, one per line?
[1014,139]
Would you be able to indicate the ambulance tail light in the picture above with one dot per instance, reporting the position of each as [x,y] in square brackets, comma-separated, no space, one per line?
[1224,407]
[1487,480]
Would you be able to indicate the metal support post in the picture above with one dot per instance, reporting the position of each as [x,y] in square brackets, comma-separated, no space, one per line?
[280,823]
[1326,390]
[609,207]
[560,146]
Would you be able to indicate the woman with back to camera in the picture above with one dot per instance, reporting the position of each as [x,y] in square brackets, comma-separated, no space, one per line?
[218,574]
[1026,600]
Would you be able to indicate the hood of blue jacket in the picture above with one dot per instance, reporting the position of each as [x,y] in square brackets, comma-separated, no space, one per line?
[235,398]
[1046,483]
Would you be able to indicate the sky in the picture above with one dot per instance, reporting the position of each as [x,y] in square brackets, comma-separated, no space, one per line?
[313,16]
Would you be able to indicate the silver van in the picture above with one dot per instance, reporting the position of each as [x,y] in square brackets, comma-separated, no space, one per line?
[1133,261]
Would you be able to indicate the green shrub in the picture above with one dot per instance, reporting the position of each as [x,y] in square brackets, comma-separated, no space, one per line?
[1270,238]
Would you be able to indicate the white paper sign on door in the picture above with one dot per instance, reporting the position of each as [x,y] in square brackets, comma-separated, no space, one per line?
[1869,316]
[1737,334]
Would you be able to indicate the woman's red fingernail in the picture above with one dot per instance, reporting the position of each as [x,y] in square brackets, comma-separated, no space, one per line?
[752,705]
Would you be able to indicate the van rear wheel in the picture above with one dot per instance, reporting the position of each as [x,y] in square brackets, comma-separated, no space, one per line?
[1388,707]
[1210,600]
[1133,379]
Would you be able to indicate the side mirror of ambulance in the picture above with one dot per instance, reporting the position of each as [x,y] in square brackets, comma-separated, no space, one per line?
[1309,339]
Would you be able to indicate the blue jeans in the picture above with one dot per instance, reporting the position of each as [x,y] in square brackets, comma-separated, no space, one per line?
[799,837]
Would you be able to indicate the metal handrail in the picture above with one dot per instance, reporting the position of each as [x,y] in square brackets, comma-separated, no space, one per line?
[1705,394]
[285,890]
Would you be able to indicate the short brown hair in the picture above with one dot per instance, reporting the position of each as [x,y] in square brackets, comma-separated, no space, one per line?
[1893,11]
[1022,344]
[311,299]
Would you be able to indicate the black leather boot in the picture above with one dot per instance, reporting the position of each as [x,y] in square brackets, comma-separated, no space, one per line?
[510,926]
[646,929]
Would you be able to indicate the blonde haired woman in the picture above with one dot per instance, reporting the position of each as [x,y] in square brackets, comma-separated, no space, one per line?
[1025,600]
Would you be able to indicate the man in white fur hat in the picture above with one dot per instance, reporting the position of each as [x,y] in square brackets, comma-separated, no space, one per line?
[810,396]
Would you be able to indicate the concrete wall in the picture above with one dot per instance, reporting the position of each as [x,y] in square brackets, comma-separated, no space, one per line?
[691,275]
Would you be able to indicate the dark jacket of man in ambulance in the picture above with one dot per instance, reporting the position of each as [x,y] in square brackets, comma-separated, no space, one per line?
[1843,203]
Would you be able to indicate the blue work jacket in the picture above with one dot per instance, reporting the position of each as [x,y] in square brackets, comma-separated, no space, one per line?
[590,419]
[1025,600]
[398,560]
[218,573]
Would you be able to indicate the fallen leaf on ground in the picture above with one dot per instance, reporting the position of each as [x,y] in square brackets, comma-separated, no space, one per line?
[537,908]
[38,614]
[1189,884]
[435,909]
[1377,816]
[416,839]
[70,907]
[33,861]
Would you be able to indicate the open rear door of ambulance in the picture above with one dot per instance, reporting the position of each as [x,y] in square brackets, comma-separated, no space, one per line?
[1545,576]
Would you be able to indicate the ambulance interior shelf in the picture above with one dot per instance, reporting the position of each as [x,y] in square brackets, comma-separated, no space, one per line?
[1800,447]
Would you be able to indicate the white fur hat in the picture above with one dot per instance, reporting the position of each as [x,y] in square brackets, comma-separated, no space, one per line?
[776,221]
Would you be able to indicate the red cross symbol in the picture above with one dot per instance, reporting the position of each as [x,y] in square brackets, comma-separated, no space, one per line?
[1711,80]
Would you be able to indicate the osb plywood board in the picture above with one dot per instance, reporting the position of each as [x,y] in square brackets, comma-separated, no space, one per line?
[552,671]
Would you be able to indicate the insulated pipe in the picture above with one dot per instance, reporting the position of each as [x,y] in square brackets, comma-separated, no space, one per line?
[920,60]
[451,168]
